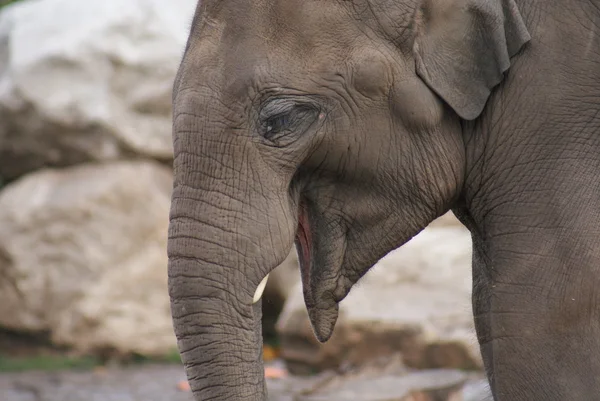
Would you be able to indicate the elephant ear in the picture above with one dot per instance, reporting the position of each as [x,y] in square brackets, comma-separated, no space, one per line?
[463,48]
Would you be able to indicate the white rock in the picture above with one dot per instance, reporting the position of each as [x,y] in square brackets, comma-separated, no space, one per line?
[83,256]
[283,278]
[446,220]
[416,300]
[87,80]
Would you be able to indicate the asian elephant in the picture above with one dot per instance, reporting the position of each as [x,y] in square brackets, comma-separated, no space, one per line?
[346,126]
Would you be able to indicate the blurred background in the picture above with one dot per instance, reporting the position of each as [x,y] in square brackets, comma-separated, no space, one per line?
[85,185]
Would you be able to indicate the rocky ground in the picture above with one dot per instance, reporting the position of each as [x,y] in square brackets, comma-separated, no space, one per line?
[160,383]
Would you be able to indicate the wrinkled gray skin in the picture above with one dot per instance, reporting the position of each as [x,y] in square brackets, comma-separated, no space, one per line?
[363,120]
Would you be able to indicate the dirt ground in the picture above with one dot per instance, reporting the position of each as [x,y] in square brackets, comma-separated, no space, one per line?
[386,379]
[156,383]
[147,383]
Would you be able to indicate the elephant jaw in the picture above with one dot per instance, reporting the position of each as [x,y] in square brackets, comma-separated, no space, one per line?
[322,308]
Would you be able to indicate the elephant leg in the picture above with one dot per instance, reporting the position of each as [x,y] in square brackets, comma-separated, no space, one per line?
[537,318]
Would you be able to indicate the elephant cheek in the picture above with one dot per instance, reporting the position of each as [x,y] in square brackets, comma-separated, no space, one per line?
[370,76]
[415,105]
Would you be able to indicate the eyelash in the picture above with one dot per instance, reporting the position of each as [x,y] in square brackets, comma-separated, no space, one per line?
[288,121]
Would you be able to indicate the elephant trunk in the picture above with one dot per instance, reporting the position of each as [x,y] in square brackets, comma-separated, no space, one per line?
[217,325]
[231,223]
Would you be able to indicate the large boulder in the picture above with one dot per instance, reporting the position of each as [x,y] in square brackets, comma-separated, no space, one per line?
[87,80]
[83,256]
[416,301]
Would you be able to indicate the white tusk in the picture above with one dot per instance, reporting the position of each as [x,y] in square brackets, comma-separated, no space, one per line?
[260,289]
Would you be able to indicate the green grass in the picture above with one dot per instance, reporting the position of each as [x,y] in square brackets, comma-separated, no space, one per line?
[60,362]
[6,2]
[171,357]
[46,363]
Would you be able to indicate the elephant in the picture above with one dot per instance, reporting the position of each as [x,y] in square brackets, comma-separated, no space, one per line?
[344,127]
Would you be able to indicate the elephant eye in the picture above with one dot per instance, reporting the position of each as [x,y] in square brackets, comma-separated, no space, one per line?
[277,124]
[281,120]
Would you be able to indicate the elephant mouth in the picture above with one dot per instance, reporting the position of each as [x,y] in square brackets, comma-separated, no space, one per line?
[318,293]
[304,242]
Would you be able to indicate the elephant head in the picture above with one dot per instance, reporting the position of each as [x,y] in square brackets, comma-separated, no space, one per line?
[332,124]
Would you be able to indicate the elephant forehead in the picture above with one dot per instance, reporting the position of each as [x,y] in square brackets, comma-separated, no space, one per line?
[297,28]
[275,43]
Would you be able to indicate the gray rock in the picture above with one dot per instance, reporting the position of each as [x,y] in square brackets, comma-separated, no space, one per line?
[281,283]
[87,80]
[148,383]
[446,220]
[82,256]
[429,385]
[283,279]
[477,390]
[159,383]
